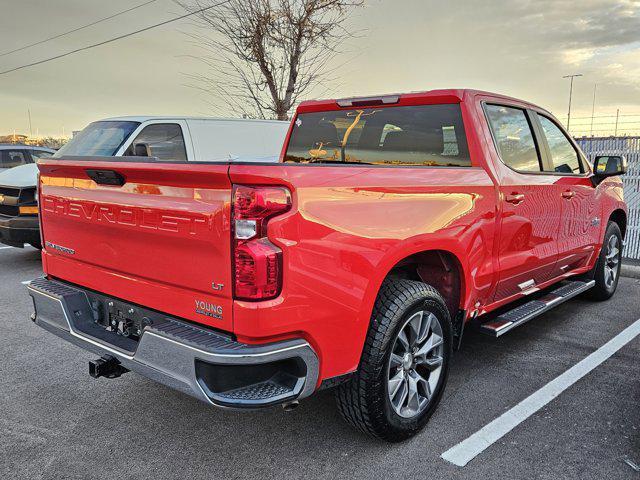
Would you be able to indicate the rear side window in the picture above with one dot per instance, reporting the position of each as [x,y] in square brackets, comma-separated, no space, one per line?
[161,140]
[424,135]
[12,158]
[563,156]
[514,138]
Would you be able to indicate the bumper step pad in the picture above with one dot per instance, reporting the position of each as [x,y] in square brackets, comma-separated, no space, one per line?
[519,315]
[53,289]
[261,391]
[195,336]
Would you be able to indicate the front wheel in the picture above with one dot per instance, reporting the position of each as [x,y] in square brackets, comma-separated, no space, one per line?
[606,273]
[404,364]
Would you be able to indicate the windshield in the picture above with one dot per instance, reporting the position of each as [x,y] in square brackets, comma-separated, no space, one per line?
[427,135]
[98,139]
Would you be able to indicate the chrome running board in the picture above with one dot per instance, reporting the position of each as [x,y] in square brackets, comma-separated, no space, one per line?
[525,312]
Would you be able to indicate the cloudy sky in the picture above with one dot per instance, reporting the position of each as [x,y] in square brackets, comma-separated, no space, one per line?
[521,48]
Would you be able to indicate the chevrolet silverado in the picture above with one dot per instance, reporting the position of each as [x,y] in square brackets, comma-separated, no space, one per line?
[389,225]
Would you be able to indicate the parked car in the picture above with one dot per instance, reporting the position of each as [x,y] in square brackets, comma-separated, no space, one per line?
[15,154]
[160,138]
[355,262]
[18,207]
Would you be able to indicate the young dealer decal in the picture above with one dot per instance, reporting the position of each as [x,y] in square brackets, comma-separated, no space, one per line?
[208,309]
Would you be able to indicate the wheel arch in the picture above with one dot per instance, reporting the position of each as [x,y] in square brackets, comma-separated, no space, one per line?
[439,268]
[426,264]
[619,216]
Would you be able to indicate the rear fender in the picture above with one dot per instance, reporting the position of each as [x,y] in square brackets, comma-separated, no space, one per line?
[416,246]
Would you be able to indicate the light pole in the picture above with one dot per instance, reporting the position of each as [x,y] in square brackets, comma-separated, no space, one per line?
[570,95]
[593,107]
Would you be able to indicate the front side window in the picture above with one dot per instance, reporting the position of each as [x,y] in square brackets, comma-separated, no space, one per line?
[161,140]
[425,135]
[12,158]
[514,138]
[563,156]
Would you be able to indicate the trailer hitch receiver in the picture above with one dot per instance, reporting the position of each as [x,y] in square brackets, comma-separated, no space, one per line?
[106,366]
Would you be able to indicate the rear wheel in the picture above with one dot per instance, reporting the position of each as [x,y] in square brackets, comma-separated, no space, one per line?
[606,273]
[404,363]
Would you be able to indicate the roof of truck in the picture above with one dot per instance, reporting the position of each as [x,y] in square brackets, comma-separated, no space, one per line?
[451,95]
[146,118]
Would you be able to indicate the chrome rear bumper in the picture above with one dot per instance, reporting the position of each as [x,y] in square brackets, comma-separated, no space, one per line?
[200,362]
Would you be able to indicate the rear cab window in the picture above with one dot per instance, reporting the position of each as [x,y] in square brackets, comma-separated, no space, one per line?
[420,135]
[102,138]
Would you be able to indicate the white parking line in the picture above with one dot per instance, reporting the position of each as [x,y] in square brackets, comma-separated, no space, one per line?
[4,248]
[465,451]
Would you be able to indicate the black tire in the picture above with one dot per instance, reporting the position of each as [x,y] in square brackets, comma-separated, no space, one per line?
[364,400]
[37,245]
[604,288]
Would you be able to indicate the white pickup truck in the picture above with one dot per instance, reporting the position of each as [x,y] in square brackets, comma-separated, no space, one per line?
[188,139]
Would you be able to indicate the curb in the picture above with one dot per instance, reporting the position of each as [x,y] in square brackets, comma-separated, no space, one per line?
[630,271]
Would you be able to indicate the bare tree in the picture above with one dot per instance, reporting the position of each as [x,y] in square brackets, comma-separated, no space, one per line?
[267,53]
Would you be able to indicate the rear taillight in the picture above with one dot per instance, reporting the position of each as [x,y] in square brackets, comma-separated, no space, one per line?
[258,262]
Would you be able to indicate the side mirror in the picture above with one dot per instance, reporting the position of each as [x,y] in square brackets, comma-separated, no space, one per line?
[609,166]
[141,150]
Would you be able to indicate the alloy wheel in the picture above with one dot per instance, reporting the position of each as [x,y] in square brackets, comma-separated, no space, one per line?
[415,364]
[612,260]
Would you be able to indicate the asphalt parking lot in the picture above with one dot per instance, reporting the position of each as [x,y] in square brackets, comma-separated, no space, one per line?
[57,422]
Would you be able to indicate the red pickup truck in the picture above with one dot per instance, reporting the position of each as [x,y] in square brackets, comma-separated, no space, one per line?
[355,262]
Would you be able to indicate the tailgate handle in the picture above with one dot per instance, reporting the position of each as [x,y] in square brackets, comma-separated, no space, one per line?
[106,177]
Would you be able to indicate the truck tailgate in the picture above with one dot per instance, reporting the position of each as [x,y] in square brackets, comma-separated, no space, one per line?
[161,239]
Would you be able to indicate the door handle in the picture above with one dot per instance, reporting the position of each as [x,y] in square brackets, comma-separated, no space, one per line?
[568,194]
[515,198]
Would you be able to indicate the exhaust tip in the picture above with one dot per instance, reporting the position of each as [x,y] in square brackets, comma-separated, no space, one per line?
[290,406]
